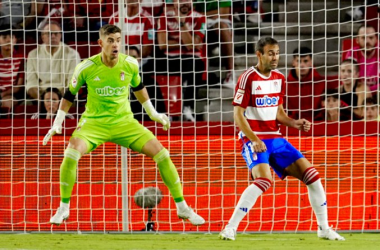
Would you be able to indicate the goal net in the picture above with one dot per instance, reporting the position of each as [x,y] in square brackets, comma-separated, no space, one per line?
[203,139]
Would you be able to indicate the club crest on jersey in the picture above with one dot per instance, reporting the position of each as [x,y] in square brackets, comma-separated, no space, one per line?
[74,82]
[122,76]
[267,101]
[239,96]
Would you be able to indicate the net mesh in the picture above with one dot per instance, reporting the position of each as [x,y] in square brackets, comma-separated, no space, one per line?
[206,152]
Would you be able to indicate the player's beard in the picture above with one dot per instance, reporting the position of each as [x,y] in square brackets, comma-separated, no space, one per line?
[272,66]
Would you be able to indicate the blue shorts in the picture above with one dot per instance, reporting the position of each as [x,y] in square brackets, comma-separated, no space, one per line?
[279,155]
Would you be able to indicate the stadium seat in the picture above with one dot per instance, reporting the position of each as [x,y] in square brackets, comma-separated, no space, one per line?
[95,48]
[171,88]
[81,47]
[85,49]
[24,112]
[4,112]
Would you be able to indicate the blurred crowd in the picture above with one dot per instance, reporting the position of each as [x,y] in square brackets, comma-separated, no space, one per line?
[42,41]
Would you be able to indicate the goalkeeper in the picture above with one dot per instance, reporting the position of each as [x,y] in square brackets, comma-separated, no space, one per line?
[108,117]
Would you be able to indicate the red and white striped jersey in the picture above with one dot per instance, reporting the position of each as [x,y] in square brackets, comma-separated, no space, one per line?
[169,24]
[261,96]
[138,29]
[11,69]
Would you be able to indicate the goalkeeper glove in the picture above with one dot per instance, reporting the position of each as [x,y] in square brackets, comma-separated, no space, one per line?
[154,116]
[57,126]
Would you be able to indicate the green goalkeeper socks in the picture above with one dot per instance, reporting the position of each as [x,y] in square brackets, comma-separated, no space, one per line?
[68,173]
[169,174]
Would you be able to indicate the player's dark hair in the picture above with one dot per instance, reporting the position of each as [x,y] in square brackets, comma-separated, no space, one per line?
[302,52]
[263,42]
[351,61]
[107,29]
[364,25]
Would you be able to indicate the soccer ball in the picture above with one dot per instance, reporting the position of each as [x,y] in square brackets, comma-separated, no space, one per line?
[148,197]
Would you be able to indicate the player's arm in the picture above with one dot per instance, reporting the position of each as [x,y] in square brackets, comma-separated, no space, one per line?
[142,96]
[167,44]
[64,107]
[284,119]
[241,121]
[76,83]
[188,39]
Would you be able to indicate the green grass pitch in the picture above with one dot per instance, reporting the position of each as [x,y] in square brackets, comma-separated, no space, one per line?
[355,241]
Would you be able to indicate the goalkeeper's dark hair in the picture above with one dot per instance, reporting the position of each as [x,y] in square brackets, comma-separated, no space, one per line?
[263,42]
[351,61]
[107,29]
[302,52]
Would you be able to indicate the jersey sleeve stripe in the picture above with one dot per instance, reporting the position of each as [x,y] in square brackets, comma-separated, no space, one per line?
[244,78]
[132,60]
[83,66]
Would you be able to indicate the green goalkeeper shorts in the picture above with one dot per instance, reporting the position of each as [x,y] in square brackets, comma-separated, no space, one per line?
[128,133]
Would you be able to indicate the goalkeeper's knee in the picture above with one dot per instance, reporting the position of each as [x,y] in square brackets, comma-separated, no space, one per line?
[72,154]
[161,156]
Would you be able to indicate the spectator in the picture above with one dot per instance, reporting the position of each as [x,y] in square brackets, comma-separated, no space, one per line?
[51,64]
[99,13]
[180,37]
[334,109]
[11,69]
[371,109]
[49,104]
[218,15]
[70,17]
[134,52]
[77,17]
[252,11]
[153,7]
[138,27]
[304,85]
[24,13]
[367,55]
[353,90]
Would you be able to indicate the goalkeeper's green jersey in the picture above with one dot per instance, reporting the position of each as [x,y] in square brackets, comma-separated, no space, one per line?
[108,88]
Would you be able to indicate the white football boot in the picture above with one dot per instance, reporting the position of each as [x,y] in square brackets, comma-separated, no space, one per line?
[189,214]
[329,234]
[229,233]
[61,215]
